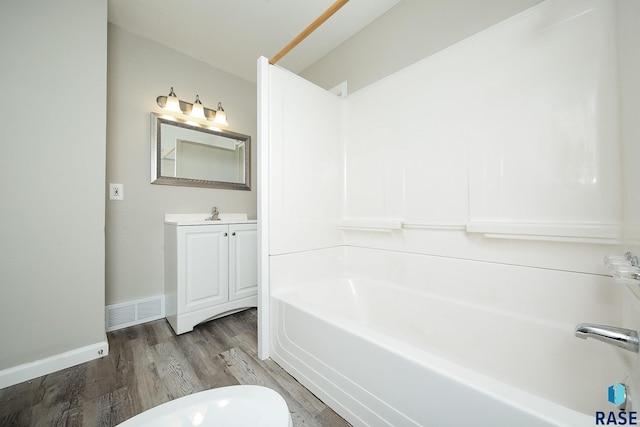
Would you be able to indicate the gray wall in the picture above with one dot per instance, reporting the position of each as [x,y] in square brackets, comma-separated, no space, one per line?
[629,69]
[407,33]
[52,136]
[138,71]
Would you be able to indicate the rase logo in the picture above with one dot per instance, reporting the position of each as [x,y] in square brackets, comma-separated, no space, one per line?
[617,394]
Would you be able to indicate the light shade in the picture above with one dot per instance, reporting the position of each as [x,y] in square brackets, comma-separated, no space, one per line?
[221,116]
[198,109]
[173,103]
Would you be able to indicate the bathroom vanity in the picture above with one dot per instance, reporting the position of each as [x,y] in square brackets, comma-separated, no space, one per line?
[210,268]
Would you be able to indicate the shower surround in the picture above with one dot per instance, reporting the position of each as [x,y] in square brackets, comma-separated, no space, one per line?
[430,241]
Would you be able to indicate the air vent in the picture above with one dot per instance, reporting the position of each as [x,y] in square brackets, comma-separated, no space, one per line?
[134,312]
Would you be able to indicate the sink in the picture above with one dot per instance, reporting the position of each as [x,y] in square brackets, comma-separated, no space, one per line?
[203,218]
[232,217]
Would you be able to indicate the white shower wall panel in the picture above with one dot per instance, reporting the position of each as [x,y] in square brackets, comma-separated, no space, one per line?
[562,298]
[406,151]
[305,162]
[295,269]
[546,146]
[516,124]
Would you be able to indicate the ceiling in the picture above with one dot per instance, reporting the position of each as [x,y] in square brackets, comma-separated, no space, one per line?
[232,34]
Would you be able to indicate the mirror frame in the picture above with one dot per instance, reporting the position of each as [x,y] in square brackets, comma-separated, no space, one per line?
[156,146]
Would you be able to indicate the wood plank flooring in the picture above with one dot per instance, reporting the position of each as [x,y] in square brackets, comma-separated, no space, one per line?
[148,365]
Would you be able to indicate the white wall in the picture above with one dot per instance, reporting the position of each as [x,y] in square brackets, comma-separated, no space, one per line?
[629,61]
[629,69]
[52,167]
[138,71]
[407,33]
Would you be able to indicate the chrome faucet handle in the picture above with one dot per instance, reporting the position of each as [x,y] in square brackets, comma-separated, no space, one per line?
[625,269]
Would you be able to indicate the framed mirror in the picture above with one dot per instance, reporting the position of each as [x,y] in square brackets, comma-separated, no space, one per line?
[184,153]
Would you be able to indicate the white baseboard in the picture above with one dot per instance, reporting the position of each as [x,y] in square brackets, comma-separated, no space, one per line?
[31,370]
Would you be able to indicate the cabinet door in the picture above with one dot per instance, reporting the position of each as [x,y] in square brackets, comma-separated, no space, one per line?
[243,261]
[205,272]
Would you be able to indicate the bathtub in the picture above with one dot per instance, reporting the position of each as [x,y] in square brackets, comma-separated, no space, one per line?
[381,354]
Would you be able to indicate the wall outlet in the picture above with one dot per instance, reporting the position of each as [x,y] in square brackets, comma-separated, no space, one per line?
[116,192]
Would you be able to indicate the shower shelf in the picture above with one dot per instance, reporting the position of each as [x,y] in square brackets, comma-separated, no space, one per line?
[556,232]
[421,225]
[371,224]
[384,224]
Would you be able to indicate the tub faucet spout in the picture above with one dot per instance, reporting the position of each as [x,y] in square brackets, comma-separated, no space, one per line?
[620,337]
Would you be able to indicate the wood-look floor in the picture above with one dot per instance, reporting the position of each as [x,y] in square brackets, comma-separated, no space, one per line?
[148,365]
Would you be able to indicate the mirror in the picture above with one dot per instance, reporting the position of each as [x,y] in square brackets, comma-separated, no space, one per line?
[185,153]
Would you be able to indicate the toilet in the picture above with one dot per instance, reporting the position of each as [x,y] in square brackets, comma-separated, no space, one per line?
[233,406]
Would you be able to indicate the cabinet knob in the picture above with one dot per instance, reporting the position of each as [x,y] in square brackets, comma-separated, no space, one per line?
[233,234]
[225,234]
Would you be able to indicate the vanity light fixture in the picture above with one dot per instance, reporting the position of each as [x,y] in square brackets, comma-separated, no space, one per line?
[197,110]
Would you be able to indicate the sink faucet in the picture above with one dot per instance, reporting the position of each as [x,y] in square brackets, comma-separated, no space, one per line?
[214,214]
[620,337]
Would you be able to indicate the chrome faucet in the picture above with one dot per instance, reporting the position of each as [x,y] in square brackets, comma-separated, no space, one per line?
[620,337]
[214,214]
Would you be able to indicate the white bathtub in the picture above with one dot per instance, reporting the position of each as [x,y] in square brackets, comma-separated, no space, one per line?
[386,355]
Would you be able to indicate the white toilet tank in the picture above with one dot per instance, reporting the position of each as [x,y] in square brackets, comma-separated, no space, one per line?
[233,406]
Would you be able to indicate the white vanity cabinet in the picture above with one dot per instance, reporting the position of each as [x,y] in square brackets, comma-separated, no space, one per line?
[210,270]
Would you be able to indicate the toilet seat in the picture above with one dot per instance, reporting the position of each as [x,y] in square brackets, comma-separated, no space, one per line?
[233,406]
